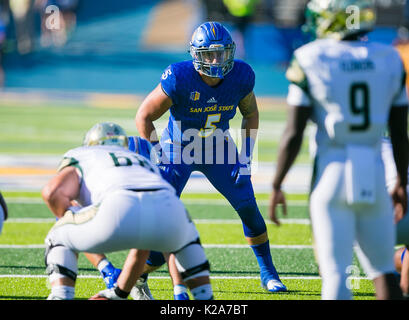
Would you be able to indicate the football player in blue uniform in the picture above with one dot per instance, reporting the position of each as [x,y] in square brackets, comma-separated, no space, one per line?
[202,97]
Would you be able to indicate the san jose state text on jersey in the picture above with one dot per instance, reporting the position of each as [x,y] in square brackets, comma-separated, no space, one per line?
[199,106]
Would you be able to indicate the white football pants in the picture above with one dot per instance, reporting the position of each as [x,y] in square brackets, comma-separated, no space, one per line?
[126,219]
[337,226]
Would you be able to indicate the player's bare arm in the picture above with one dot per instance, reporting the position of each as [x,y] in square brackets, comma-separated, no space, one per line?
[61,190]
[249,125]
[288,151]
[291,142]
[249,110]
[151,109]
[400,144]
[132,269]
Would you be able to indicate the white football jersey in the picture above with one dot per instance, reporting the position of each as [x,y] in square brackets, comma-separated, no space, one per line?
[351,86]
[104,169]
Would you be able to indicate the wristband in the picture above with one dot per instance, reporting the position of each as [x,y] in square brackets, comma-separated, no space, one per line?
[120,293]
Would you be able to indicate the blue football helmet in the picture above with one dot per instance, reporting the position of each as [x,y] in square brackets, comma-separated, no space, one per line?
[212,49]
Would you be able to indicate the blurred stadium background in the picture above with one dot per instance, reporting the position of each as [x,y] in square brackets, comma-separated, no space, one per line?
[123,46]
[111,53]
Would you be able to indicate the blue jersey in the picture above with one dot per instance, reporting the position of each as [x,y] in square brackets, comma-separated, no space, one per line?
[205,109]
[199,106]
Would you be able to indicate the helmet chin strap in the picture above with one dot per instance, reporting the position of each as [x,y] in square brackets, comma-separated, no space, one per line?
[216,72]
[211,81]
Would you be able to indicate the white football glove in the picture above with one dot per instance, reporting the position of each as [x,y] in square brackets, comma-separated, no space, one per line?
[107,294]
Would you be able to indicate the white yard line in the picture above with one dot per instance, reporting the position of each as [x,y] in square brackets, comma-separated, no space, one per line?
[167,277]
[25,200]
[210,246]
[204,201]
[238,221]
[30,220]
[196,221]
[221,202]
[207,246]
[22,246]
[244,246]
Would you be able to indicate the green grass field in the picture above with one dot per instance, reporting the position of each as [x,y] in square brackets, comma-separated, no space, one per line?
[51,130]
[234,268]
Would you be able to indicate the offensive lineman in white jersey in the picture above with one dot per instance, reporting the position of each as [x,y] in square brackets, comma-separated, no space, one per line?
[125,204]
[351,89]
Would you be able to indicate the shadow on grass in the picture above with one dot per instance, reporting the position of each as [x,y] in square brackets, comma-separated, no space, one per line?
[21,298]
[273,294]
[256,273]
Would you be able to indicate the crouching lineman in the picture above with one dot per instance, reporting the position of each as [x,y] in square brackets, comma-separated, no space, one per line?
[126,204]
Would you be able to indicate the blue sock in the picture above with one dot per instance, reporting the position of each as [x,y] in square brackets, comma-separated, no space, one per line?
[265,262]
[105,267]
[253,226]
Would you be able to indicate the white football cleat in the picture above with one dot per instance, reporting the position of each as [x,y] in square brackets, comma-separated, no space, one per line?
[274,285]
[141,291]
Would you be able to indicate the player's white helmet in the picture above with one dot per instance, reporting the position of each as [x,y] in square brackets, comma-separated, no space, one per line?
[106,133]
[339,19]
